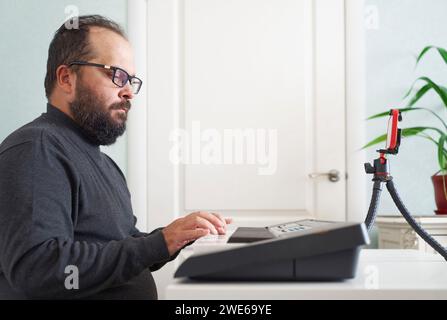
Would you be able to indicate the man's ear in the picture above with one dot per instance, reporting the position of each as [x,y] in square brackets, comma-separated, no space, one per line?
[65,79]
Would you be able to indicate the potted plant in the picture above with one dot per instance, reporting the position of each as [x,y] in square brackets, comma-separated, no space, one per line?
[436,135]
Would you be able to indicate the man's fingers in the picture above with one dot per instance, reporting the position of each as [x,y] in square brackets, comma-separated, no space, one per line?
[213,221]
[196,221]
[191,235]
[212,218]
[225,221]
[206,223]
[222,220]
[228,220]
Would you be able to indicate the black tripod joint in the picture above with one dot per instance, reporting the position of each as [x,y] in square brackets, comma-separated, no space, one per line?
[379,170]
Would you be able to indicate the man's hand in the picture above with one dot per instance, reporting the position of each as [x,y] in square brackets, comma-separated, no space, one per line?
[191,227]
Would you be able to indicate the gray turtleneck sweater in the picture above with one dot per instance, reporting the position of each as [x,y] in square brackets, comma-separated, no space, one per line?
[65,207]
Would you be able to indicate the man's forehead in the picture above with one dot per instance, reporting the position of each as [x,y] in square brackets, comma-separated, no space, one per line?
[111,48]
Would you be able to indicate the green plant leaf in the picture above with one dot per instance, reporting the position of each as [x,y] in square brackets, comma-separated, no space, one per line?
[441,51]
[443,54]
[426,136]
[379,115]
[434,114]
[387,113]
[423,52]
[421,92]
[403,110]
[440,90]
[377,140]
[407,132]
[441,152]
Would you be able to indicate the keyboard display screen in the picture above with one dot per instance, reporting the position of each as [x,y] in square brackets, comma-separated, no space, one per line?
[296,226]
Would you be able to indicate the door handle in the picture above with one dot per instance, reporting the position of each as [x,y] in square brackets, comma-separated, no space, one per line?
[333,175]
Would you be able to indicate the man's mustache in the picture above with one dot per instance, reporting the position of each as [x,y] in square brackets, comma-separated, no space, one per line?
[121,105]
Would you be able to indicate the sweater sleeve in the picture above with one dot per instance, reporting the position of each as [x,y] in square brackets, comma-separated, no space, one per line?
[158,265]
[37,189]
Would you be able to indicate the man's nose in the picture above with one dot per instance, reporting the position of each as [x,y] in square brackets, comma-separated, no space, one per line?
[126,92]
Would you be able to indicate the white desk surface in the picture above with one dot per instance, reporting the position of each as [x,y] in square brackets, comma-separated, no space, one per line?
[381,274]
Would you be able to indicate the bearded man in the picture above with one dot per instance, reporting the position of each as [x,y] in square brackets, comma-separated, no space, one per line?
[64,205]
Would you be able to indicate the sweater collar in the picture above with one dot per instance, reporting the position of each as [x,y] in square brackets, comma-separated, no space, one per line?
[63,119]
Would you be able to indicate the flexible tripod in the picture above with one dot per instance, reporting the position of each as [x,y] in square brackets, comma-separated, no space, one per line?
[381,175]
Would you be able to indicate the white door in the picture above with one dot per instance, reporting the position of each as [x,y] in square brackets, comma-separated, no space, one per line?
[254,92]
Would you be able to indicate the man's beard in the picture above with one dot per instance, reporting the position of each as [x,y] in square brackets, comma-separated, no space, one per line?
[95,118]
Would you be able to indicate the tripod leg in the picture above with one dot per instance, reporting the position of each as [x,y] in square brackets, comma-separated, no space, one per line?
[416,227]
[377,189]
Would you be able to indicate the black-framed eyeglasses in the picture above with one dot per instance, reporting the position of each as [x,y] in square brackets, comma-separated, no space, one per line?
[120,76]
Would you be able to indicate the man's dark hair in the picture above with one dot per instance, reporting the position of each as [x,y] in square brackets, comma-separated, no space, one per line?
[70,44]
